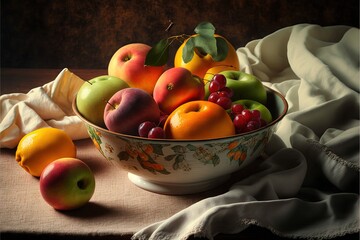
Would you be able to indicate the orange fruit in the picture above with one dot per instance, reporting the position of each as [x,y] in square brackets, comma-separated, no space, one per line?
[40,147]
[201,63]
[197,120]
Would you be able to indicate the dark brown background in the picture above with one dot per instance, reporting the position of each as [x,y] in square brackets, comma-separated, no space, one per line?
[85,34]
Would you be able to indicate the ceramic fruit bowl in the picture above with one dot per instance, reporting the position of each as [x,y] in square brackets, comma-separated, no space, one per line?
[179,167]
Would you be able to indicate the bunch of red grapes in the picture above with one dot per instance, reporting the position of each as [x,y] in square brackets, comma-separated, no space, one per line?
[219,93]
[244,120]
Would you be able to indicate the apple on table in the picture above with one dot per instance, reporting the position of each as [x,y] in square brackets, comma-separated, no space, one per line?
[67,183]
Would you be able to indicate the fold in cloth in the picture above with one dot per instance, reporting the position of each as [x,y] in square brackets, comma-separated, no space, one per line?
[45,106]
[308,185]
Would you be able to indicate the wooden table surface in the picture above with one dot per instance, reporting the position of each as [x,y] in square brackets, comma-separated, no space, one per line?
[22,80]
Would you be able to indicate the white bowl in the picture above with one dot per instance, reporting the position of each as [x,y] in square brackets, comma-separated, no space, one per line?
[178,167]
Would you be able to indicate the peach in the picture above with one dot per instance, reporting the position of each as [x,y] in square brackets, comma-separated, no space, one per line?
[175,87]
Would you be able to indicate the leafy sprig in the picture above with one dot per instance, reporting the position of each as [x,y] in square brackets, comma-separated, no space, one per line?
[204,42]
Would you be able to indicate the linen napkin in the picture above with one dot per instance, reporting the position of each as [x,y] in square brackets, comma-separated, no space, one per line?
[45,106]
[308,185]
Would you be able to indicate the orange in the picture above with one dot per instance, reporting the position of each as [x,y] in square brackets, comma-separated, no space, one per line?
[201,63]
[40,147]
[199,120]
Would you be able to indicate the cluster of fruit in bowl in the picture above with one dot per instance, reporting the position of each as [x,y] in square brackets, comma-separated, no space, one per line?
[203,96]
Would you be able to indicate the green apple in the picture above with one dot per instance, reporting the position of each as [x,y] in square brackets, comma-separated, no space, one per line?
[243,85]
[94,94]
[254,105]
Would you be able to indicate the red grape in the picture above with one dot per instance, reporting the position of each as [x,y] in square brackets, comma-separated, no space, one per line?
[214,86]
[145,127]
[156,132]
[246,114]
[224,102]
[256,115]
[252,125]
[229,91]
[213,97]
[239,123]
[220,79]
[246,120]
[237,108]
[223,94]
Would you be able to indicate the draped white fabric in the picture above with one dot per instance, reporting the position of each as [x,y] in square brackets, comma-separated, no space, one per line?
[308,184]
[45,106]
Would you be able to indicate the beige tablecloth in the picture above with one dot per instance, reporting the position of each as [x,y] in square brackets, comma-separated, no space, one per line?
[306,187]
[117,207]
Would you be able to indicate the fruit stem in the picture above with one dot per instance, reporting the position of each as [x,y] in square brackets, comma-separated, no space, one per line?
[180,37]
[110,104]
[171,23]
[88,82]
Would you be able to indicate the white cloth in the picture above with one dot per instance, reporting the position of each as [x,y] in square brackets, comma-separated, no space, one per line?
[45,106]
[308,185]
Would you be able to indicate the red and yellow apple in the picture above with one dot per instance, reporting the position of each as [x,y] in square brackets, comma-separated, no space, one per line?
[199,120]
[201,63]
[93,95]
[175,87]
[128,63]
[128,108]
[67,183]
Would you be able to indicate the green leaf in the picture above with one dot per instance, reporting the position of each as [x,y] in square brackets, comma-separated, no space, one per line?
[205,29]
[178,149]
[215,160]
[175,166]
[188,50]
[158,148]
[179,158]
[222,49]
[158,54]
[191,147]
[206,45]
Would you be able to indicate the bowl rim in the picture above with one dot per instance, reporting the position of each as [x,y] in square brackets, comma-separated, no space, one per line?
[121,135]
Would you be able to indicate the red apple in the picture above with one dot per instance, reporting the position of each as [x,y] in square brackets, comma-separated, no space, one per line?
[128,63]
[175,87]
[67,183]
[93,94]
[128,108]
